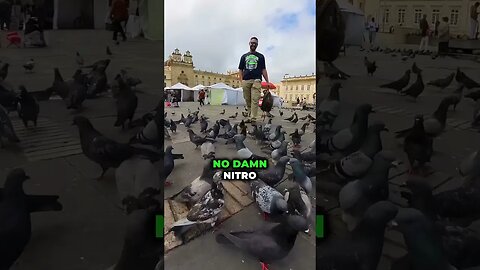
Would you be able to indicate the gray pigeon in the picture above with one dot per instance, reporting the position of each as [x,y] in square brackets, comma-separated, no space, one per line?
[362,248]
[357,196]
[151,134]
[443,82]
[268,199]
[77,90]
[270,243]
[169,162]
[15,209]
[135,175]
[416,89]
[205,211]
[400,83]
[203,125]
[27,107]
[281,151]
[300,176]
[127,103]
[274,174]
[6,128]
[456,97]
[350,139]
[468,165]
[357,164]
[298,202]
[242,151]
[424,244]
[197,140]
[192,193]
[208,150]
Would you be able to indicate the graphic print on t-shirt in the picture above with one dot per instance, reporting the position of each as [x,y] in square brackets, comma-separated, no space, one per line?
[251,62]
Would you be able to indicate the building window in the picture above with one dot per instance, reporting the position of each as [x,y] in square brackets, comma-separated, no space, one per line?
[291,97]
[302,87]
[196,75]
[203,77]
[308,87]
[386,16]
[454,17]
[401,15]
[182,71]
[435,16]
[296,87]
[417,15]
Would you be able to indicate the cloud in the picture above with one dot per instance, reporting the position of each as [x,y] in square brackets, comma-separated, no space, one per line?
[217,33]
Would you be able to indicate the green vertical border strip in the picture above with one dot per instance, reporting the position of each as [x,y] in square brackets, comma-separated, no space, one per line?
[159,226]
[319,226]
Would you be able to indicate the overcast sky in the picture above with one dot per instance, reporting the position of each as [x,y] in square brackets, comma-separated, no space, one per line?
[217,33]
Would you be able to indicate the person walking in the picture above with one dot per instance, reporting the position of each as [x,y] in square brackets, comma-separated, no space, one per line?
[118,15]
[201,97]
[251,68]
[372,32]
[5,14]
[443,36]
[474,20]
[424,28]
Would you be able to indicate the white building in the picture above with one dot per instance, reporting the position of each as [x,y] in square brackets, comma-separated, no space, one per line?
[407,13]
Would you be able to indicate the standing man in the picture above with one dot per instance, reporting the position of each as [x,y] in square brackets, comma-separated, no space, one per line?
[474,21]
[424,28]
[201,97]
[251,68]
[118,15]
[372,32]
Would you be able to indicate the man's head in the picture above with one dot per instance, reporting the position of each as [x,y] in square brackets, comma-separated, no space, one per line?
[253,43]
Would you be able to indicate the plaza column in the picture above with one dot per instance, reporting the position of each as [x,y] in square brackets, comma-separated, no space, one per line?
[55,14]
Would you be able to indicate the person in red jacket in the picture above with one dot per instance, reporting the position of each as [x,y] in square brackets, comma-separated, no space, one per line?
[118,15]
[201,97]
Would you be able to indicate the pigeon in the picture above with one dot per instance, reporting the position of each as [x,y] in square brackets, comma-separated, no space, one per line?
[242,151]
[203,125]
[97,79]
[245,114]
[357,164]
[274,174]
[462,78]
[188,121]
[291,117]
[400,83]
[443,82]
[8,99]
[27,107]
[371,66]
[79,59]
[145,119]
[329,109]
[268,199]
[77,91]
[4,71]
[280,152]
[136,174]
[357,196]
[276,143]
[433,126]
[15,209]
[418,145]
[459,206]
[302,129]
[423,242]
[6,128]
[109,52]
[332,72]
[104,151]
[280,112]
[415,69]
[234,116]
[461,245]
[223,112]
[130,81]
[169,162]
[296,137]
[416,88]
[151,134]
[456,97]
[59,86]
[267,103]
[299,175]
[295,118]
[173,126]
[29,65]
[362,248]
[468,167]
[127,103]
[205,211]
[270,243]
[192,193]
[208,150]
[350,139]
[298,202]
[307,156]
[140,250]
[214,132]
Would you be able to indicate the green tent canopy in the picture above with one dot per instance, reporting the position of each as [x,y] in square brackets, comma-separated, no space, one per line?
[151,14]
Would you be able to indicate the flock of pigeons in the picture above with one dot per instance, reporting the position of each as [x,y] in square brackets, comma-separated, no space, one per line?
[138,163]
[354,167]
[290,210]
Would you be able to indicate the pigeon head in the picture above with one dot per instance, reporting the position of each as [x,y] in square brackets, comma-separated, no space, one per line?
[293,161]
[217,190]
[381,213]
[385,159]
[410,220]
[190,131]
[169,149]
[283,160]
[15,179]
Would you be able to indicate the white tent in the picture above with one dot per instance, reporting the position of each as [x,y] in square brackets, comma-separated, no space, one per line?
[235,97]
[219,94]
[186,93]
[354,23]
[199,87]
[276,100]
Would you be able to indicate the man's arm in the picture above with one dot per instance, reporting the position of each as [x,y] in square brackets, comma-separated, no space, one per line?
[265,74]
[240,72]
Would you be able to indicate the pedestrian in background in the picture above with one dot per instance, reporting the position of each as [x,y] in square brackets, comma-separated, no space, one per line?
[372,32]
[5,14]
[118,15]
[425,31]
[443,36]
[201,97]
[474,21]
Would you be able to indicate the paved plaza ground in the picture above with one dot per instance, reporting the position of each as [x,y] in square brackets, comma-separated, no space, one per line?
[398,113]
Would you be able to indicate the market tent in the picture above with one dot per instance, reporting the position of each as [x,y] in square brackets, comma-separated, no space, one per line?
[218,93]
[186,93]
[235,97]
[354,23]
[150,21]
[199,87]
[276,100]
[240,99]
